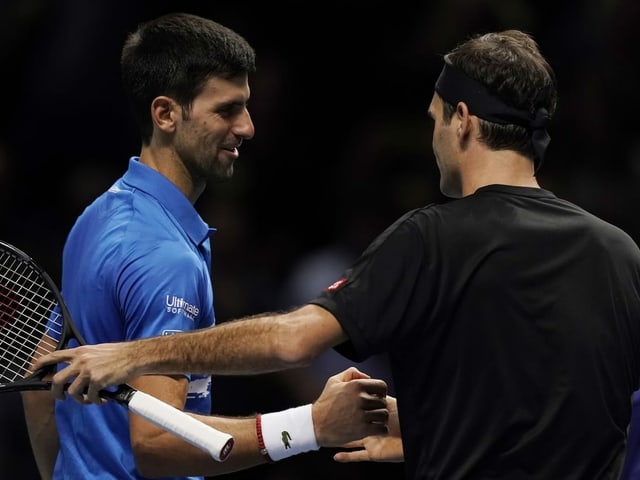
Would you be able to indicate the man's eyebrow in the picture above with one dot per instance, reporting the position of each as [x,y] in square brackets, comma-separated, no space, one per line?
[231,104]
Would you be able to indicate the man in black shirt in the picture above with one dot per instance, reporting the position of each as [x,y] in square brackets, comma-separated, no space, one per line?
[510,316]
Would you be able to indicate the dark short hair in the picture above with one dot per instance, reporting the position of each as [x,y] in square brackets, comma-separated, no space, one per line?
[175,55]
[511,66]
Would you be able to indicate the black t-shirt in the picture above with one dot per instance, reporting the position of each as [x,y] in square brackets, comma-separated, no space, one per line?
[511,319]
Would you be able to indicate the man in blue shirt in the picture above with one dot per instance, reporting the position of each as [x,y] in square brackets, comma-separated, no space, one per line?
[137,263]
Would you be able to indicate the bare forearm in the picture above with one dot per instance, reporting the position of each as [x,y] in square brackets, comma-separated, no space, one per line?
[257,344]
[351,406]
[167,455]
[232,348]
[253,345]
[43,433]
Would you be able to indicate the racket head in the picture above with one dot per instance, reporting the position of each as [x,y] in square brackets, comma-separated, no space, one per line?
[34,321]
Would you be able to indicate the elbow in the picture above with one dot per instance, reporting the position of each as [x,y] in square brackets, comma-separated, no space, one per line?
[298,345]
[149,461]
[293,351]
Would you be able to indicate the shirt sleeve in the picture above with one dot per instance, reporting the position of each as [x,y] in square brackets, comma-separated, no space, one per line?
[384,295]
[164,291]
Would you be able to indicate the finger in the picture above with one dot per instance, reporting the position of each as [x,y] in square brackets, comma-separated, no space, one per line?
[376,387]
[373,387]
[368,402]
[354,374]
[92,394]
[64,375]
[377,416]
[353,444]
[59,383]
[76,390]
[58,391]
[376,399]
[50,359]
[351,373]
[355,456]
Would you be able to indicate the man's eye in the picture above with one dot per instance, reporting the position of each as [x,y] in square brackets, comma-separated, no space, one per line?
[230,110]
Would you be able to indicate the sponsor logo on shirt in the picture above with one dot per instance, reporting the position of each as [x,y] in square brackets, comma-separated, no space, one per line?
[179,306]
[199,388]
[336,285]
[170,332]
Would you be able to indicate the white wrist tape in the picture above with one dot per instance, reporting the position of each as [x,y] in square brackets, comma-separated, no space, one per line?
[289,432]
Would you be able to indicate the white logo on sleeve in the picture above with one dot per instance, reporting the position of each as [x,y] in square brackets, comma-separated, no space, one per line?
[199,387]
[179,306]
[171,332]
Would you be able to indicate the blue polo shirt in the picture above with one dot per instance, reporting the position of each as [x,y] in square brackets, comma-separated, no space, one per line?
[631,469]
[137,263]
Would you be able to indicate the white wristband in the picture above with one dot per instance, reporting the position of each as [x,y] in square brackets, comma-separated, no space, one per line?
[288,432]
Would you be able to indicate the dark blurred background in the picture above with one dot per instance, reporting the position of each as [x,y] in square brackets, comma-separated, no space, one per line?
[342,148]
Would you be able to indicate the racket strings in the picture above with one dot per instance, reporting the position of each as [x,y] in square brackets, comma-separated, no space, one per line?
[30,322]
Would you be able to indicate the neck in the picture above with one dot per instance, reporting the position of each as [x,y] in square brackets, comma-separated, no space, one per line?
[166,162]
[504,167]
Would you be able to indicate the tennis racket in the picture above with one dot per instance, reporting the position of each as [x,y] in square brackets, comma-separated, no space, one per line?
[34,321]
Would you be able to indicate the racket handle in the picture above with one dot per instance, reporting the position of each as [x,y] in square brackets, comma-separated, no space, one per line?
[218,444]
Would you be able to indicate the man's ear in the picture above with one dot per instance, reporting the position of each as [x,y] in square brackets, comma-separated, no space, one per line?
[463,117]
[163,113]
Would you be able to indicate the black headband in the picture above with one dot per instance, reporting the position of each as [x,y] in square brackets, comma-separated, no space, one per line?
[453,86]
